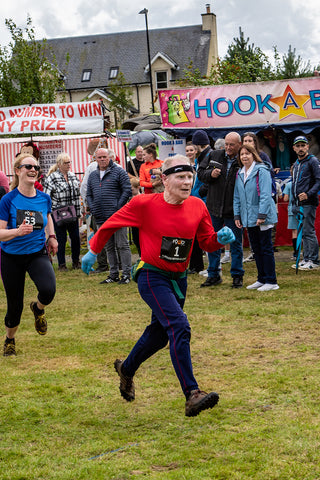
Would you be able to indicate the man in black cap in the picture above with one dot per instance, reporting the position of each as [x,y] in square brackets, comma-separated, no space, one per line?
[218,169]
[305,188]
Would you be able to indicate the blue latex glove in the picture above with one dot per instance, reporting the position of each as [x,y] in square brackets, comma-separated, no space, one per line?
[225,236]
[87,261]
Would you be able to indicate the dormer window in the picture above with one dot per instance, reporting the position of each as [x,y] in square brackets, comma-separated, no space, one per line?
[86,76]
[162,80]
[113,73]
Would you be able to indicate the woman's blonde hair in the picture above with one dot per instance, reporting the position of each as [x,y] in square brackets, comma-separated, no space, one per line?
[16,164]
[59,161]
[112,154]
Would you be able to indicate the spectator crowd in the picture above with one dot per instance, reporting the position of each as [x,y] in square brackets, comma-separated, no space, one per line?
[232,177]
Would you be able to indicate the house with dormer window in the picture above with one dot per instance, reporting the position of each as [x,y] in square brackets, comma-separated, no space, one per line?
[96,61]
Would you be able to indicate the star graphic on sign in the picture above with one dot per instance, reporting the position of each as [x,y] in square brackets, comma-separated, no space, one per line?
[291,103]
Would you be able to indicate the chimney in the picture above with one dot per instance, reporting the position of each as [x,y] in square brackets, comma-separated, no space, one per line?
[208,19]
[209,23]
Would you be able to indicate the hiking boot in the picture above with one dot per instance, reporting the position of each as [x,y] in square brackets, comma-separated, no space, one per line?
[192,271]
[110,280]
[211,281]
[76,266]
[199,401]
[124,280]
[62,268]
[126,383]
[237,282]
[9,348]
[40,322]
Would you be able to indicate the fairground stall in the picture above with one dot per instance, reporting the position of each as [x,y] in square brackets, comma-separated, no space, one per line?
[275,111]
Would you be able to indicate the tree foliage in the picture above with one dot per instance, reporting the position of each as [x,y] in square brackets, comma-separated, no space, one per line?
[121,98]
[27,75]
[240,49]
[292,65]
[245,63]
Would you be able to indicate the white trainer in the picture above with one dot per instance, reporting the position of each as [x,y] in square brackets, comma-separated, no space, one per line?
[225,259]
[309,266]
[204,273]
[301,264]
[250,258]
[254,286]
[268,286]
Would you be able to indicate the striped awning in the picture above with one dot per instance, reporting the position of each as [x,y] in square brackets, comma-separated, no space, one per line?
[74,145]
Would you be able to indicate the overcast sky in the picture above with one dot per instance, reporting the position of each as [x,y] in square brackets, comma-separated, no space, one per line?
[266,23]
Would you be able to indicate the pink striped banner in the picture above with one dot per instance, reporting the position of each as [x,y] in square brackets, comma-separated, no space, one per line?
[74,145]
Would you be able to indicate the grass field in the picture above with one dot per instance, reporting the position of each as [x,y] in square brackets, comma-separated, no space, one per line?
[62,417]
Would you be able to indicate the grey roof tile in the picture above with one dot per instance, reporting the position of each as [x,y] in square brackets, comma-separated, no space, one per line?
[128,51]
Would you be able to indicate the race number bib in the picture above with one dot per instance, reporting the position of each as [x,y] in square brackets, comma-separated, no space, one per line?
[175,249]
[32,218]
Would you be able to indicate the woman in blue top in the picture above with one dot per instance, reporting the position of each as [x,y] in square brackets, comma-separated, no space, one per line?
[24,218]
[255,209]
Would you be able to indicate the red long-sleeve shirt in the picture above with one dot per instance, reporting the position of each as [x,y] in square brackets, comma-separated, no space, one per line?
[157,219]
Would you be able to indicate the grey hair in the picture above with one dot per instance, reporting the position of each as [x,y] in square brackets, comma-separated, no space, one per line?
[168,161]
[236,134]
[219,144]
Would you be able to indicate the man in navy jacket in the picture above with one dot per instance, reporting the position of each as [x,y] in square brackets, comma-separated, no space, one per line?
[305,188]
[108,190]
[218,169]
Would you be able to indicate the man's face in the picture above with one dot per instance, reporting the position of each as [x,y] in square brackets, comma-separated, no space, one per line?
[139,154]
[301,149]
[102,158]
[177,185]
[232,145]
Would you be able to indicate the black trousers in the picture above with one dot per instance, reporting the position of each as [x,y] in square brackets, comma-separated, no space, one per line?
[135,238]
[61,233]
[13,272]
[196,259]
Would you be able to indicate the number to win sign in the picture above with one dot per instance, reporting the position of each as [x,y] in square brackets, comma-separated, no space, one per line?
[82,117]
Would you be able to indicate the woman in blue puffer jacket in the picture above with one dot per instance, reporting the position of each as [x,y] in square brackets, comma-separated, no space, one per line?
[255,209]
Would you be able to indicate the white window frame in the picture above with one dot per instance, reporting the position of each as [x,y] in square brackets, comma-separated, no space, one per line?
[86,75]
[113,73]
[161,81]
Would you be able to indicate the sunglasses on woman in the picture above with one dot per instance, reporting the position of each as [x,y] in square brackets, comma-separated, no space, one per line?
[28,166]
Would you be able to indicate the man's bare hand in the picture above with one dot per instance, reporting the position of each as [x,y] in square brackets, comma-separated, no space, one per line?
[215,173]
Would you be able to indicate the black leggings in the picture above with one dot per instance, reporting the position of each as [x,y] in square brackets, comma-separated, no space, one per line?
[13,272]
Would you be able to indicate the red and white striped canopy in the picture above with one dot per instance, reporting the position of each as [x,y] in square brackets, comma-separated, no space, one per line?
[74,145]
